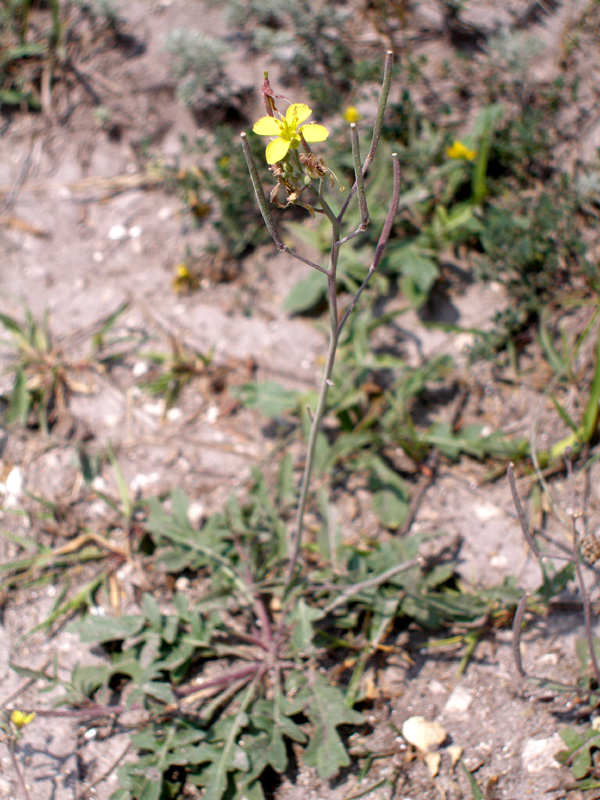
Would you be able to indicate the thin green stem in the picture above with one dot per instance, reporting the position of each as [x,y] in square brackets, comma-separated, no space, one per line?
[360,180]
[383,238]
[324,390]
[383,99]
[17,769]
[260,195]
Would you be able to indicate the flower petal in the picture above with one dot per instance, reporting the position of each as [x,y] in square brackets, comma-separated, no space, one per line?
[297,113]
[314,133]
[277,150]
[267,126]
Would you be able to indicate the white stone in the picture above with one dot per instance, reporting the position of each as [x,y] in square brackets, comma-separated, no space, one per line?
[99,484]
[459,701]
[435,687]
[117,232]
[14,482]
[140,368]
[486,511]
[538,754]
[141,481]
[433,761]
[423,734]
[154,409]
[212,415]
[195,513]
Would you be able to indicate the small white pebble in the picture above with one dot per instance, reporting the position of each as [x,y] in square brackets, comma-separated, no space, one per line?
[141,481]
[165,213]
[195,513]
[99,484]
[154,409]
[90,734]
[135,232]
[182,583]
[14,482]
[459,700]
[212,415]
[117,232]
[486,511]
[173,414]
[98,256]
[140,368]
[435,687]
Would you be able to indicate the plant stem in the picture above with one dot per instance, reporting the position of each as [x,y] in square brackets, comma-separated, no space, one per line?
[325,384]
[17,769]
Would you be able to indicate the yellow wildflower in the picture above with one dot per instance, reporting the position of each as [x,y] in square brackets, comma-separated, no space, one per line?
[19,719]
[288,130]
[352,114]
[460,151]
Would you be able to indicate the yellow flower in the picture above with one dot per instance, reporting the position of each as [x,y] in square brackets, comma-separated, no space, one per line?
[459,150]
[19,719]
[288,130]
[352,114]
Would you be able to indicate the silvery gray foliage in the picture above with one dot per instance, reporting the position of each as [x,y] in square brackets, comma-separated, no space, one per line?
[197,62]
[104,10]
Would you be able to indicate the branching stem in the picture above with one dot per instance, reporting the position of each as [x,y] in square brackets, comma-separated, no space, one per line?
[335,326]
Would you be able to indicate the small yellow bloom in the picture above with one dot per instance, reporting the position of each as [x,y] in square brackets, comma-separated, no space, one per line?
[288,130]
[19,719]
[459,151]
[352,114]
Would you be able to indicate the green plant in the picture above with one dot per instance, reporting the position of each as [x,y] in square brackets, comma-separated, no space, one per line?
[230,680]
[223,183]
[197,62]
[85,546]
[170,373]
[106,11]
[309,40]
[43,378]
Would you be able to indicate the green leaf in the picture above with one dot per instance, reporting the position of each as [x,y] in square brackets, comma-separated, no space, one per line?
[20,401]
[151,611]
[302,617]
[140,781]
[418,271]
[268,397]
[391,507]
[327,710]
[307,293]
[475,790]
[160,691]
[106,629]
[286,487]
[227,756]
[580,766]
